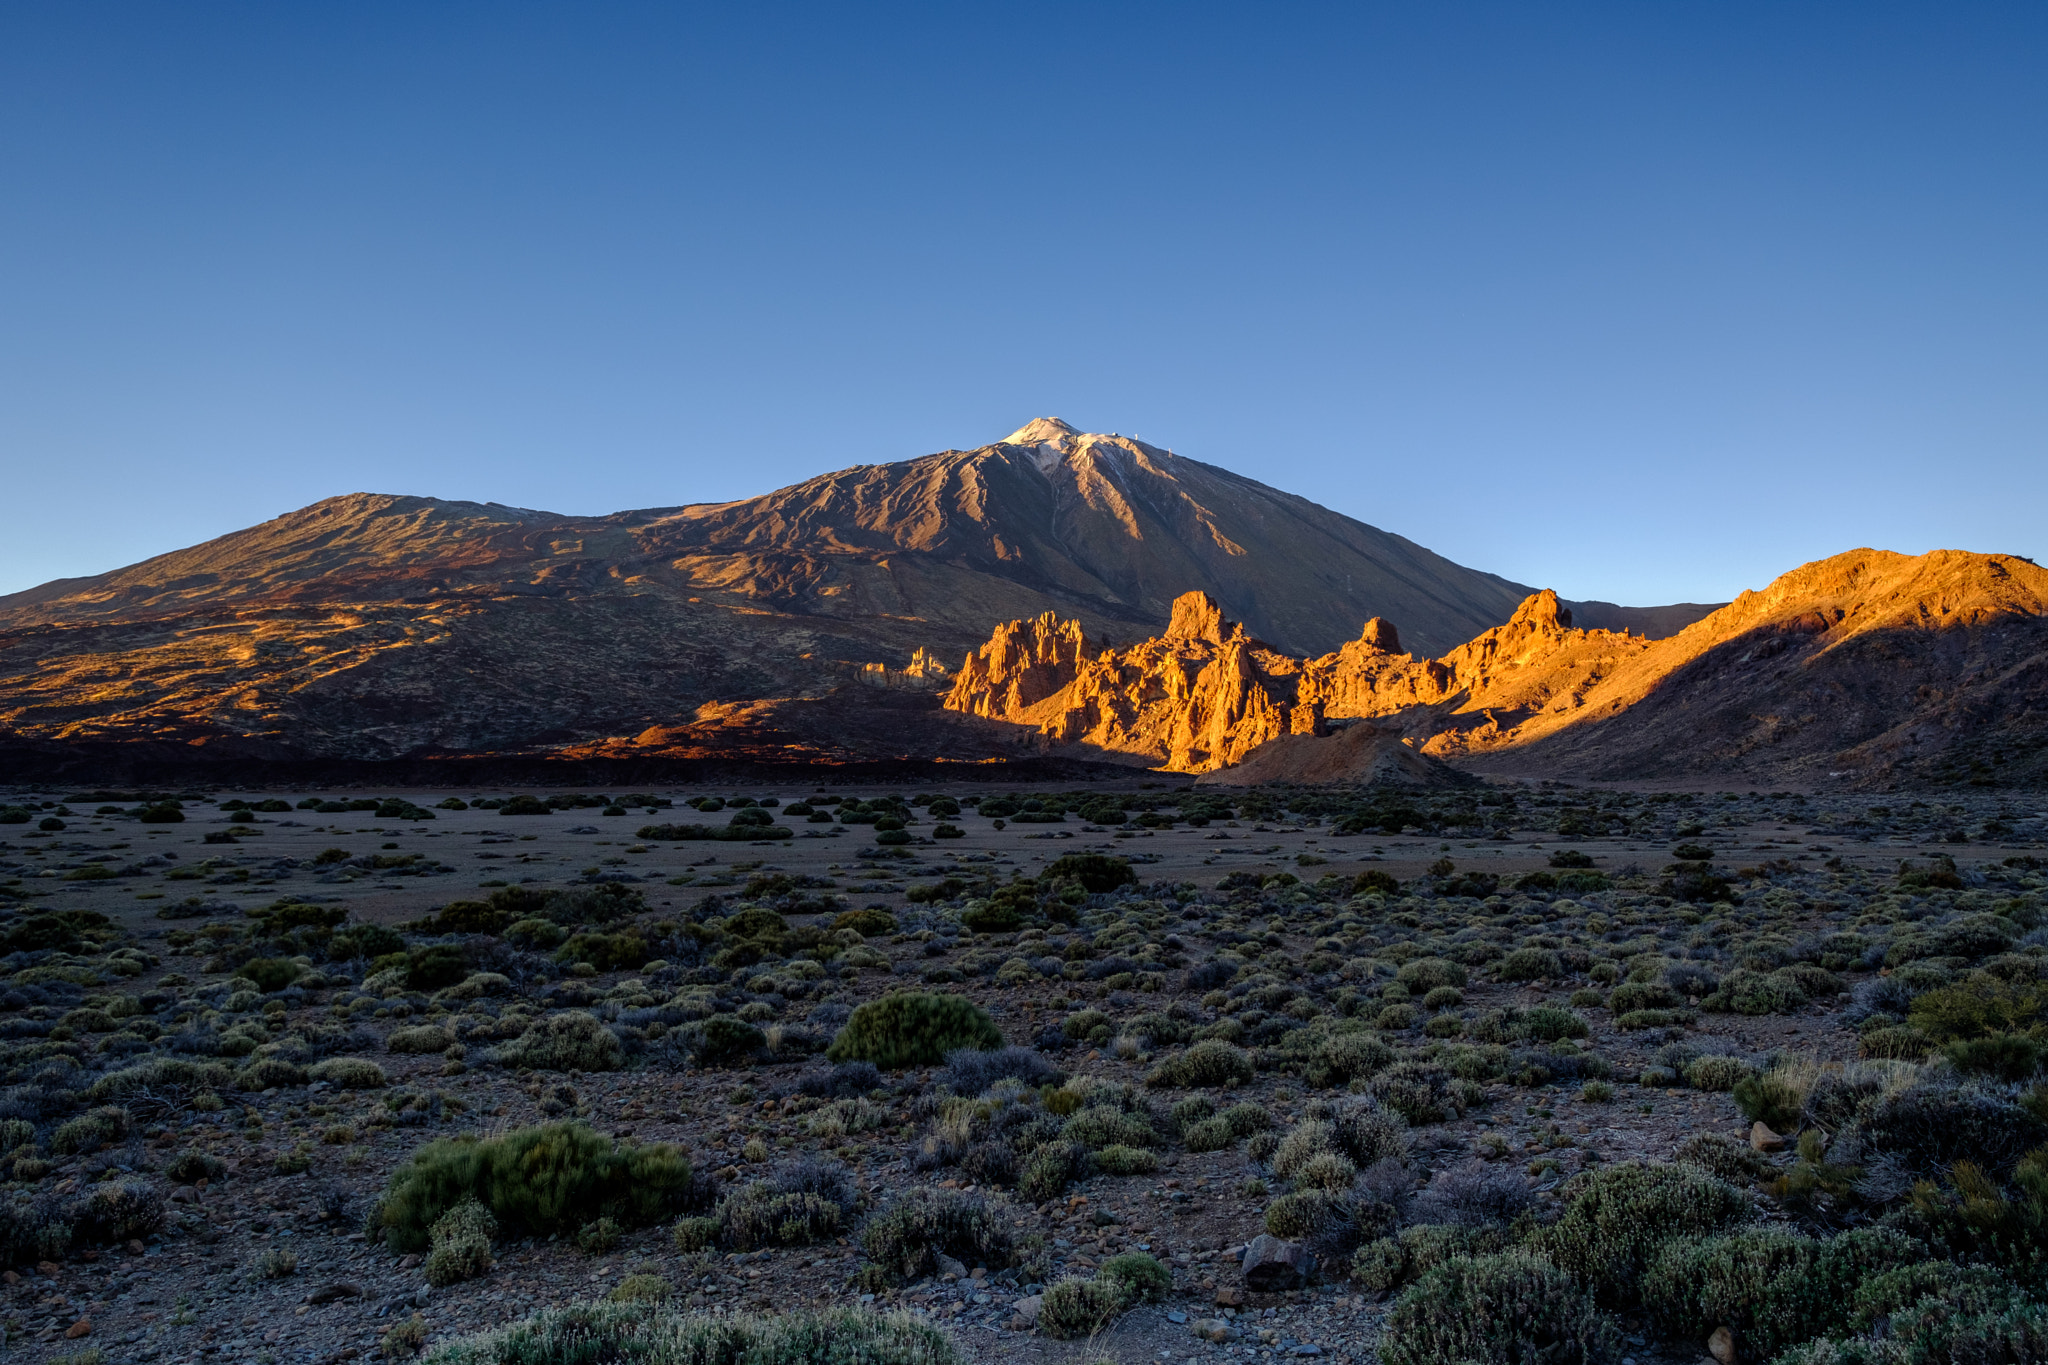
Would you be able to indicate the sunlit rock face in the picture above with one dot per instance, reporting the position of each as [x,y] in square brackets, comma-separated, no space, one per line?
[1868,666]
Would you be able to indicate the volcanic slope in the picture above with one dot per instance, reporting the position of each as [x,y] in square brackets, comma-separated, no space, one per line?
[373,626]
[1868,665]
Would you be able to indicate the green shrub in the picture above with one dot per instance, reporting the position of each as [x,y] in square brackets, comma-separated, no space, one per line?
[726,1040]
[1074,1307]
[1118,1159]
[1326,1217]
[906,1238]
[1081,1024]
[1530,964]
[547,1179]
[1509,1309]
[598,1237]
[461,1240]
[272,973]
[2006,1056]
[1978,1006]
[536,934]
[1776,1097]
[1620,1216]
[91,1130]
[1208,1063]
[1641,995]
[1427,973]
[421,1039]
[650,1333]
[868,923]
[570,1041]
[1723,1156]
[643,1288]
[912,1028]
[1348,1057]
[429,969]
[694,1234]
[348,1073]
[1549,1023]
[606,952]
[267,1073]
[1097,872]
[1142,1276]
[1717,1073]
[1900,1043]
[1050,1168]
[1419,1092]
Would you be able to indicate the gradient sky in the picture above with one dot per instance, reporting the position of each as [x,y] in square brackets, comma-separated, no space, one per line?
[1645,302]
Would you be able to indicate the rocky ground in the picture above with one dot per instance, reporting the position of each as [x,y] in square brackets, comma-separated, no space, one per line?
[268,1260]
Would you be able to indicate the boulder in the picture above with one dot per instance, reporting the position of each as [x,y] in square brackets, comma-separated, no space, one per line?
[1271,1265]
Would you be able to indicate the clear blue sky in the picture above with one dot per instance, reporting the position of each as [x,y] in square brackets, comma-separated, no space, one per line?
[1645,302]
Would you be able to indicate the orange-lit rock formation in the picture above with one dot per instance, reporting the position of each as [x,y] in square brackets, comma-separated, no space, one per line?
[1864,663]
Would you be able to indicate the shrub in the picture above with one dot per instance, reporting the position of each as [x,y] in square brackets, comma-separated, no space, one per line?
[970,1072]
[570,1041]
[1049,1169]
[1717,1073]
[420,1039]
[846,1080]
[1074,1307]
[906,1238]
[1621,1215]
[694,1234]
[190,1167]
[348,1073]
[1118,1159]
[1427,973]
[1419,1092]
[1530,964]
[1348,1057]
[429,969]
[546,1179]
[867,923]
[272,973]
[726,1040]
[651,1333]
[2004,1056]
[268,1073]
[1774,1288]
[91,1130]
[1472,1194]
[1507,1309]
[116,1212]
[800,1203]
[1097,872]
[1930,1126]
[1641,995]
[1142,1276]
[461,1241]
[913,1028]
[1776,1097]
[1723,1156]
[1209,1062]
[1549,1023]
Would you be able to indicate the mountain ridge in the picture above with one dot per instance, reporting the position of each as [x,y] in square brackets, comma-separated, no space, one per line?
[372,626]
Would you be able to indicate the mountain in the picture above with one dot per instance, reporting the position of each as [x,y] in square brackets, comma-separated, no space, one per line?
[1869,666]
[375,626]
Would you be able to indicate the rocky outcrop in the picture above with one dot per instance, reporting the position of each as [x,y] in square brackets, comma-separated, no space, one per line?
[1869,665]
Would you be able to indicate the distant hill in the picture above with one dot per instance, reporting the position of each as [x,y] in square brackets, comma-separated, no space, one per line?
[373,626]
